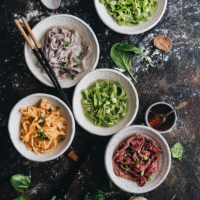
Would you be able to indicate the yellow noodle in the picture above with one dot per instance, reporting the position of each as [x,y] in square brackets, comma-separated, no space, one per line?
[55,125]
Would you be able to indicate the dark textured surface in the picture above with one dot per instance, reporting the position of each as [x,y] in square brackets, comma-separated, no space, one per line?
[174,77]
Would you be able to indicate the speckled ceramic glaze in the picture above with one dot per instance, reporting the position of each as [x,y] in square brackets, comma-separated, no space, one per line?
[71,22]
[14,127]
[164,161]
[87,81]
[130,30]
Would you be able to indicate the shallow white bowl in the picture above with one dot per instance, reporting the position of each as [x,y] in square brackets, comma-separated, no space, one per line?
[109,74]
[164,162]
[14,127]
[130,30]
[71,22]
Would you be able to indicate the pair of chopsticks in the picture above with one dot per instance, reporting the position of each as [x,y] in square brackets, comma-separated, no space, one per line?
[61,192]
[41,58]
[84,167]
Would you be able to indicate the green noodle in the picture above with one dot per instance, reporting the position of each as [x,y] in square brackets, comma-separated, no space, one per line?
[130,12]
[104,103]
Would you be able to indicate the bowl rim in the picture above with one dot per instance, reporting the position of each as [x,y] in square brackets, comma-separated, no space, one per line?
[149,129]
[128,32]
[50,84]
[72,134]
[147,112]
[122,75]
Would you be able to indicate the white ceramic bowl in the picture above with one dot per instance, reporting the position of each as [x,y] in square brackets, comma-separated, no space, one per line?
[14,127]
[71,22]
[130,30]
[109,74]
[164,161]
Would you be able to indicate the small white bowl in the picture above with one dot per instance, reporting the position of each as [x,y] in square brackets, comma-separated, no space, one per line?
[147,121]
[106,74]
[164,161]
[14,127]
[71,22]
[130,30]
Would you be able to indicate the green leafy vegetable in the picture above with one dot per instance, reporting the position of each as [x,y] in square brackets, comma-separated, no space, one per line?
[72,77]
[21,198]
[130,12]
[177,150]
[20,182]
[113,186]
[65,45]
[121,58]
[62,137]
[50,110]
[58,108]
[126,47]
[126,167]
[81,55]
[95,195]
[41,123]
[173,197]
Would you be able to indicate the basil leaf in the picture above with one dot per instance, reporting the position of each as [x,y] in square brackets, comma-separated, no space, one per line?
[121,58]
[177,150]
[126,47]
[113,186]
[20,182]
[21,198]
[95,195]
[87,197]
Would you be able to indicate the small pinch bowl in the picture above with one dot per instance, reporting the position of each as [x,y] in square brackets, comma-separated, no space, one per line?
[147,121]
[131,30]
[67,21]
[106,74]
[14,125]
[164,161]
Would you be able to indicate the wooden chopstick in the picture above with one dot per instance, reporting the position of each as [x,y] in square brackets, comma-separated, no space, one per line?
[44,58]
[84,167]
[47,68]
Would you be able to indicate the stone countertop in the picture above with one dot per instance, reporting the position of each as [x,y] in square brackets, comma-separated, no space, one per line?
[174,77]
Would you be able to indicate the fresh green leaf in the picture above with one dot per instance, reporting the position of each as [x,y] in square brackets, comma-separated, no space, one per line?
[126,47]
[173,197]
[65,45]
[58,108]
[50,110]
[87,197]
[20,182]
[122,59]
[95,195]
[21,198]
[113,186]
[72,77]
[177,150]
